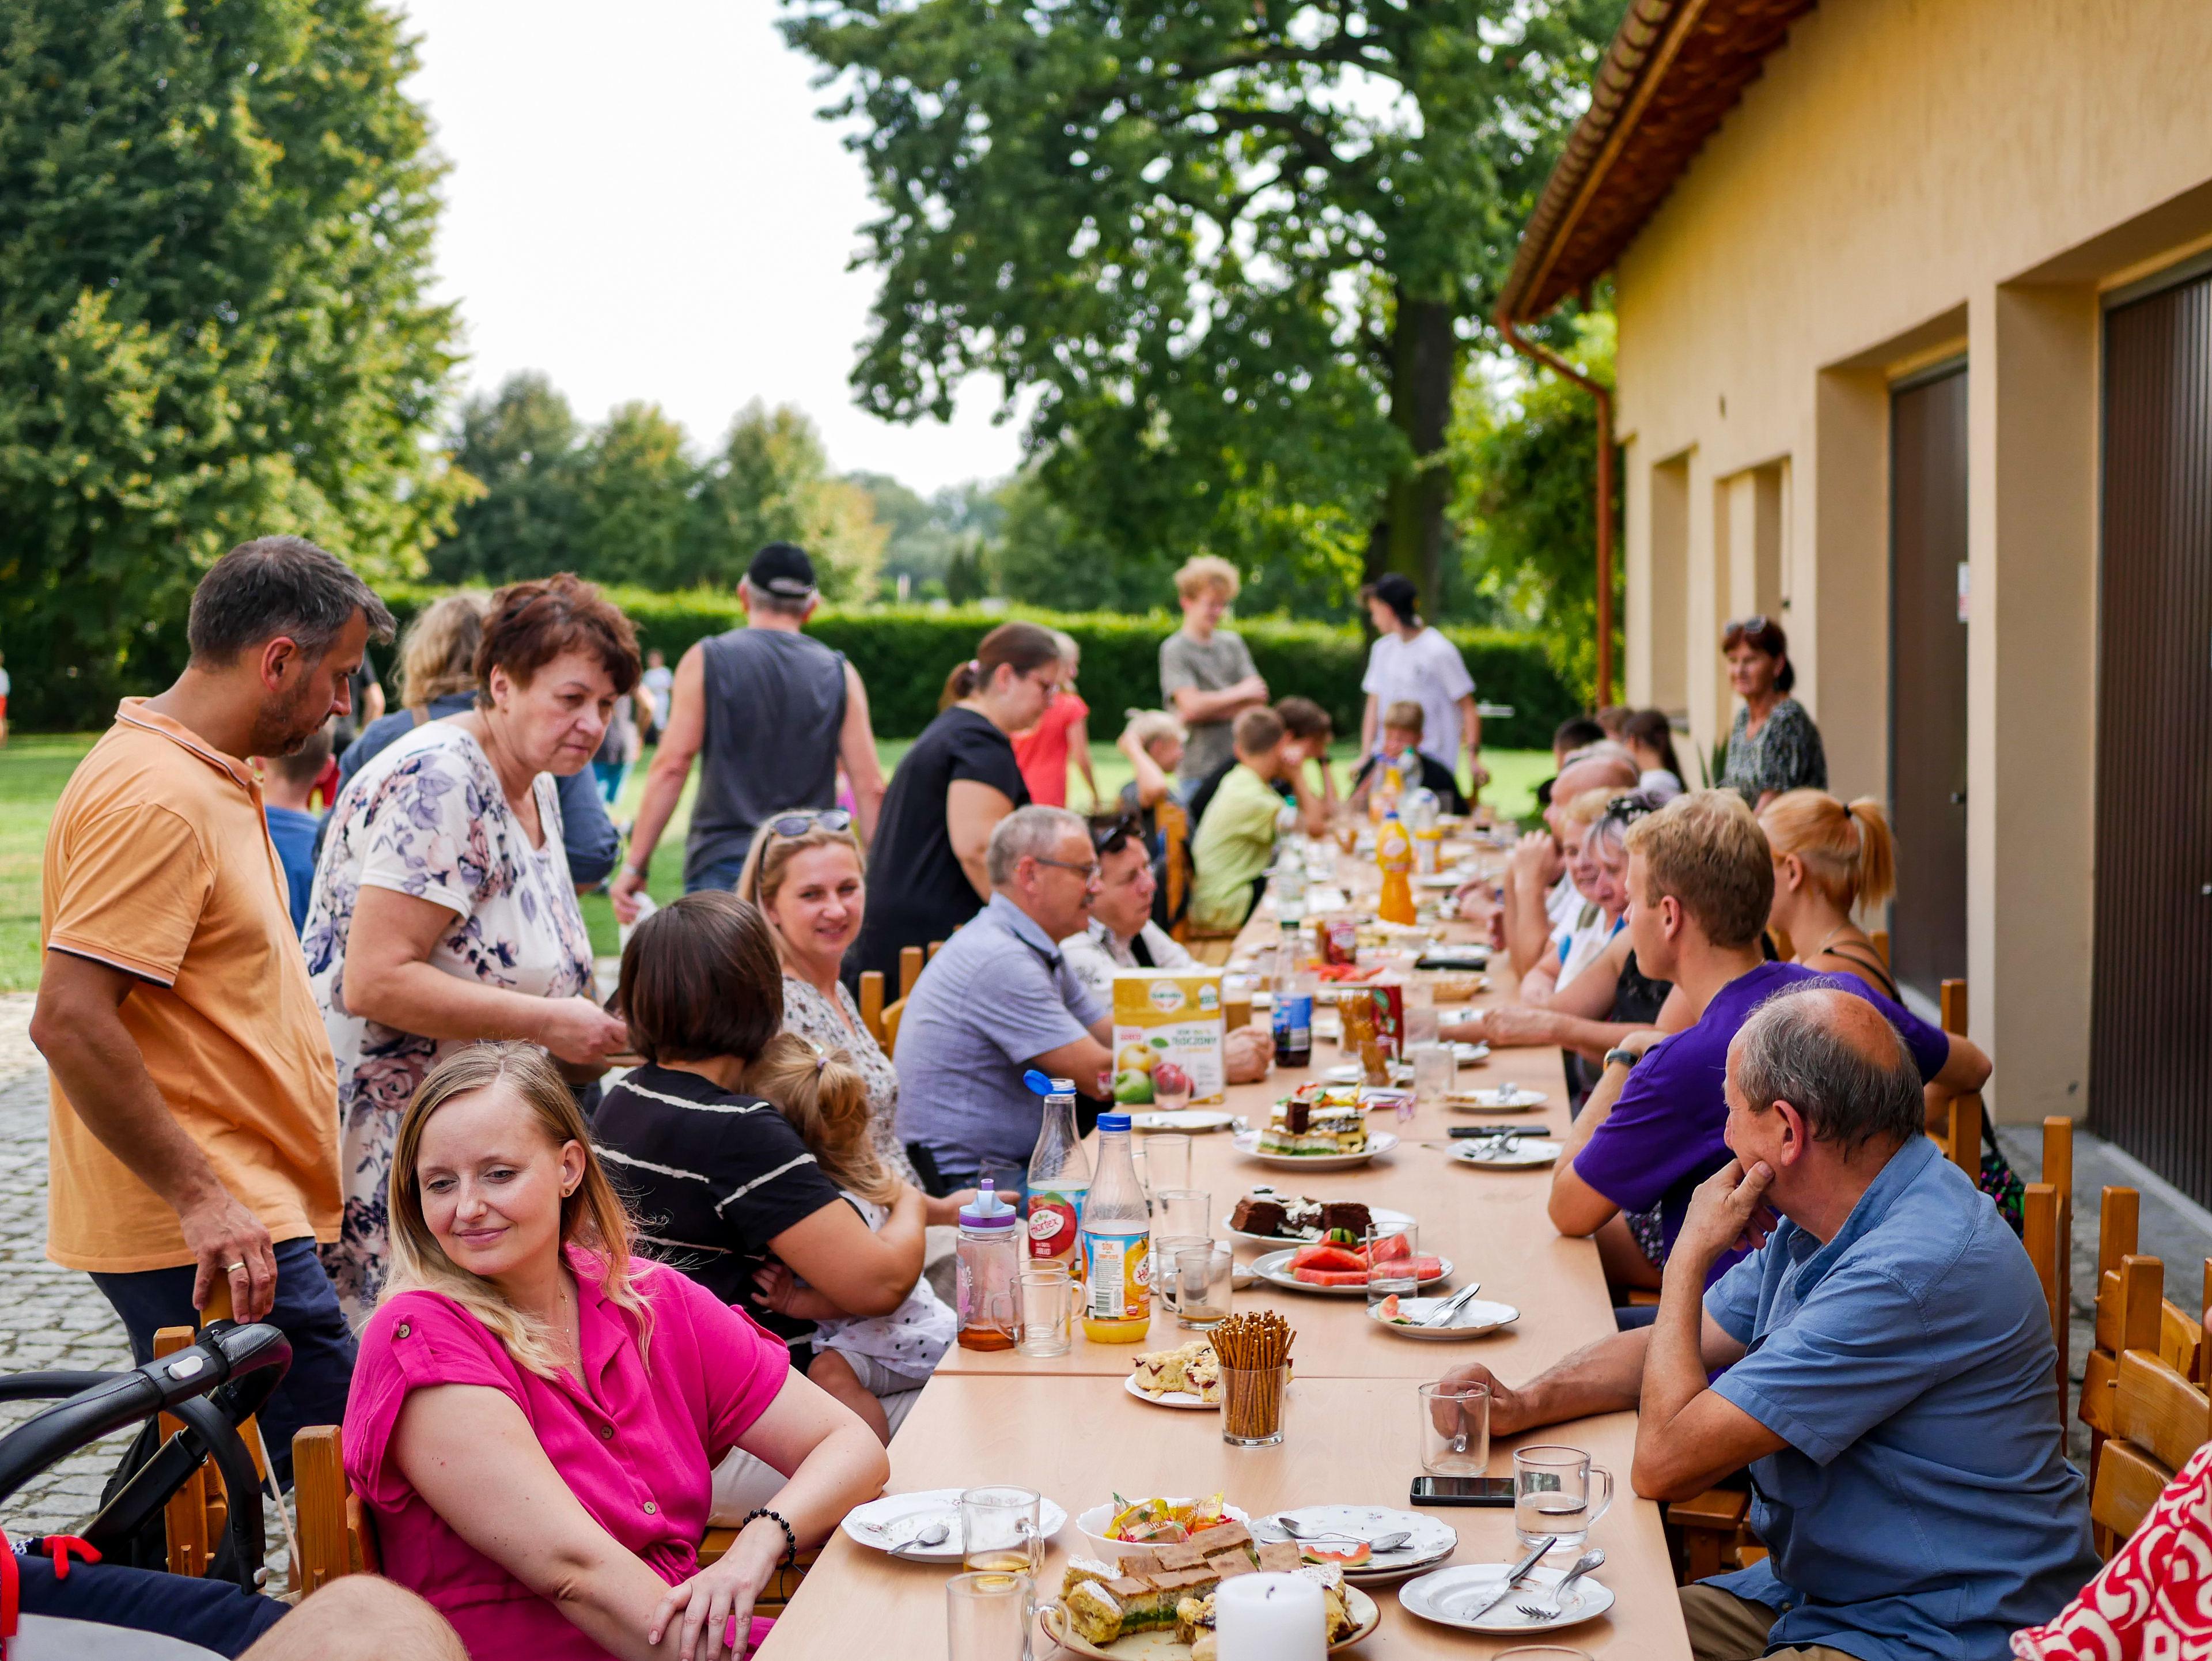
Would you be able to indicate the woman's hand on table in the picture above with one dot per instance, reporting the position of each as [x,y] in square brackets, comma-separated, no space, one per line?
[1247,1053]
[1509,1024]
[578,1031]
[722,1593]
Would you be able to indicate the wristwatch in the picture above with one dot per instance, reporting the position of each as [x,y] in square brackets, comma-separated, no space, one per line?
[1626,1057]
[630,870]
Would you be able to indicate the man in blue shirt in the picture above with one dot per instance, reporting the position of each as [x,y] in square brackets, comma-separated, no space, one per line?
[1888,1368]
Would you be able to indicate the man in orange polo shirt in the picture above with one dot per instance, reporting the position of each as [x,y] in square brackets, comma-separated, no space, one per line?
[193,1137]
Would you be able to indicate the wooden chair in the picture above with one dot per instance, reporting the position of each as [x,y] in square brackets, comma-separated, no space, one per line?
[909,969]
[337,1534]
[2158,1416]
[2047,1210]
[1961,1140]
[198,1513]
[2128,1316]
[1175,840]
[935,946]
[893,1014]
[872,1002]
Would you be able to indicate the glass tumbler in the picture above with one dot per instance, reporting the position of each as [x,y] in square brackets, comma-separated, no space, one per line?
[1001,1530]
[1167,1160]
[1455,1430]
[1202,1276]
[1435,1069]
[987,1616]
[1394,1252]
[1252,1405]
[1047,1305]
[1181,1213]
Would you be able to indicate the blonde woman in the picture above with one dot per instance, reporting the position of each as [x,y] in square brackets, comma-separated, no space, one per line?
[1829,859]
[806,873]
[524,1365]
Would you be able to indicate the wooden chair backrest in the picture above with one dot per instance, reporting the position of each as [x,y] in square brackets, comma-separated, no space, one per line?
[2158,1416]
[199,1512]
[935,946]
[1174,839]
[893,1014]
[872,1002]
[2058,1176]
[1954,1007]
[909,969]
[1881,939]
[1961,1140]
[338,1536]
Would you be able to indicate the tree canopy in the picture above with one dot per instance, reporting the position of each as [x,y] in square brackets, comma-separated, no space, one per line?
[1235,248]
[215,225]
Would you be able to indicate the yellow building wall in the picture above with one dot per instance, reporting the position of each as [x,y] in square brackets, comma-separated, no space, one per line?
[1907,180]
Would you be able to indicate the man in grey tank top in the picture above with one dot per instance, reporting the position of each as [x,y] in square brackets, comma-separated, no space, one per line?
[771,712]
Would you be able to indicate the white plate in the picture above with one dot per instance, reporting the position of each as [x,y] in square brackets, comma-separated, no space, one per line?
[1441,1598]
[1490,1101]
[1160,1644]
[1535,1151]
[886,1524]
[1173,1398]
[1433,1540]
[1349,1073]
[1439,880]
[1471,1055]
[1470,1101]
[1275,1269]
[1247,1142]
[1188,1118]
[1475,1318]
[1088,1524]
[1378,1213]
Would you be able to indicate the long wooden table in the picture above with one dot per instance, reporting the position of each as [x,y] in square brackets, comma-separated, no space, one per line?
[1067,1427]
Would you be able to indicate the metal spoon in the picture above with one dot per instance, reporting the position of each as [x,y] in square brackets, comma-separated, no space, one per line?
[931,1534]
[1292,1526]
[1592,1559]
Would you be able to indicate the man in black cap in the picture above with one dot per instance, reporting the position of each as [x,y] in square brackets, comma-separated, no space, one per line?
[773,711]
[1413,662]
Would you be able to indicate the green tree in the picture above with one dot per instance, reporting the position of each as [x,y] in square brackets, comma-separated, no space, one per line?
[635,518]
[771,483]
[519,446]
[215,229]
[1235,247]
[1528,523]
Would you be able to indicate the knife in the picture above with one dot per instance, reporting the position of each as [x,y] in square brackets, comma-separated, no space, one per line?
[1511,1580]
[1444,1316]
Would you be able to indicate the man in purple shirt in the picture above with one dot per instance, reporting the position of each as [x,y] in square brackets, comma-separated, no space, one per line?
[1700,882]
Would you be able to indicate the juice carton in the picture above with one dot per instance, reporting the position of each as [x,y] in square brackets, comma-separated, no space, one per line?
[1167,1037]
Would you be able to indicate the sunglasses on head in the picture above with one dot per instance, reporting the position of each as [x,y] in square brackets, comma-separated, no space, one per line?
[1113,838]
[798,824]
[1755,626]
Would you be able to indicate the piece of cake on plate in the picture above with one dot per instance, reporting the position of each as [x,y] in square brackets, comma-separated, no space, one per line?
[1167,1372]
[1094,1614]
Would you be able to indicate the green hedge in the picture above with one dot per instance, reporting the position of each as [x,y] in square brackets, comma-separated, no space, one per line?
[904,652]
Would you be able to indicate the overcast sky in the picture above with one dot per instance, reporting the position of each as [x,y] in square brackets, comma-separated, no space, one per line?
[642,204]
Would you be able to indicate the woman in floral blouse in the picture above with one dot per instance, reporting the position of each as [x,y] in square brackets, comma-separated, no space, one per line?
[443,911]
[804,872]
[1774,746]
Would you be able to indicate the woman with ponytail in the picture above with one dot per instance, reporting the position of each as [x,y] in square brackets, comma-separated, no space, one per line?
[1829,859]
[524,1365]
[948,795]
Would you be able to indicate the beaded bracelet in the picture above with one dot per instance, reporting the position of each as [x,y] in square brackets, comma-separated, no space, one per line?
[790,1540]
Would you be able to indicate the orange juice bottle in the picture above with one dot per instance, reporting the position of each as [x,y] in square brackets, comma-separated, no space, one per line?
[1394,854]
[1117,1296]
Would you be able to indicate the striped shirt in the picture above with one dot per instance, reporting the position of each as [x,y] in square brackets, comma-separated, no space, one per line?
[712,1178]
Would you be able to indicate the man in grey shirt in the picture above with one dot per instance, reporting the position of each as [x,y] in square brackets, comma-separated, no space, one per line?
[774,712]
[1207,675]
[1000,999]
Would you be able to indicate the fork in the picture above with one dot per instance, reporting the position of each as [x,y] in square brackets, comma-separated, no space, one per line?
[1592,1559]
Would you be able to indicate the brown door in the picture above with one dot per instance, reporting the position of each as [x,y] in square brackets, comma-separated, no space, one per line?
[1927,677]
[2150,1084]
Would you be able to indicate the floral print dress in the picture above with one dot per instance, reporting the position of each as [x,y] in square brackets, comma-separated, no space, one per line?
[1786,754]
[427,818]
[810,1014]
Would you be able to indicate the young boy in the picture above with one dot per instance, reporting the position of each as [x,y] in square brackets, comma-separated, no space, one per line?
[1401,731]
[1236,838]
[287,784]
[1206,676]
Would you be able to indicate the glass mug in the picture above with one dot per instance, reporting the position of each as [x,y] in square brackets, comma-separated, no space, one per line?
[1558,1495]
[1001,1532]
[987,1615]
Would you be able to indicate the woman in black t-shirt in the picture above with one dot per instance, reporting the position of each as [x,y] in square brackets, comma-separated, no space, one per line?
[948,793]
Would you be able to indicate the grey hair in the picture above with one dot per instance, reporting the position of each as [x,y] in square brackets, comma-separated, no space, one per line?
[1603,750]
[782,605]
[1028,833]
[275,586]
[1611,827]
[1790,1051]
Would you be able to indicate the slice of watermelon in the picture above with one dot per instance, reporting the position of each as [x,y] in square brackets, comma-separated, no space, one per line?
[1331,1277]
[1351,1557]
[1391,1246]
[1429,1268]
[1387,1310]
[1327,1256]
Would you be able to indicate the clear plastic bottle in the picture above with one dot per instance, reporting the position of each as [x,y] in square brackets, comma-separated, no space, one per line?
[1290,887]
[1060,1177]
[1117,1227]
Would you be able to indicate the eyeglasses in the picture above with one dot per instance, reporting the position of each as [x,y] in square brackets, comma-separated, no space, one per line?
[1112,838]
[1088,871]
[798,824]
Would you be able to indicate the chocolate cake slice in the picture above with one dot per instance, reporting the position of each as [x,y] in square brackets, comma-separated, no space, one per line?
[1346,1213]
[1258,1216]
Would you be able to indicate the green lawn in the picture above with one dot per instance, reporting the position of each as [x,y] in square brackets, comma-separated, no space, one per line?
[33,768]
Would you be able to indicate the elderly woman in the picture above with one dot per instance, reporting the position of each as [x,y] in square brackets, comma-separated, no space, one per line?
[950,791]
[438,680]
[1774,745]
[444,912]
[806,874]
[536,1412]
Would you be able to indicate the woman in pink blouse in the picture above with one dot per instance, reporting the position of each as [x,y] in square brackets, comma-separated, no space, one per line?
[536,1414]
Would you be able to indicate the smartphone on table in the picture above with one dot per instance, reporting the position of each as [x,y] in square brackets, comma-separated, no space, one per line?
[1462,1491]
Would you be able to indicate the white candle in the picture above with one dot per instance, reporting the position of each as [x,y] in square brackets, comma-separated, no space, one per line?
[1270,1617]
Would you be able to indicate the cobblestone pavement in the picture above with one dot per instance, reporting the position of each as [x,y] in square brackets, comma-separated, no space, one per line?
[52,1317]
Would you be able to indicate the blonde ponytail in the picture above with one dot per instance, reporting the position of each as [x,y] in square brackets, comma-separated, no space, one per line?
[826,1099]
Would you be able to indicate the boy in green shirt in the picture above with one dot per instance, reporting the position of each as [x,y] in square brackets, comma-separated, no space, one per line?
[1236,838]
